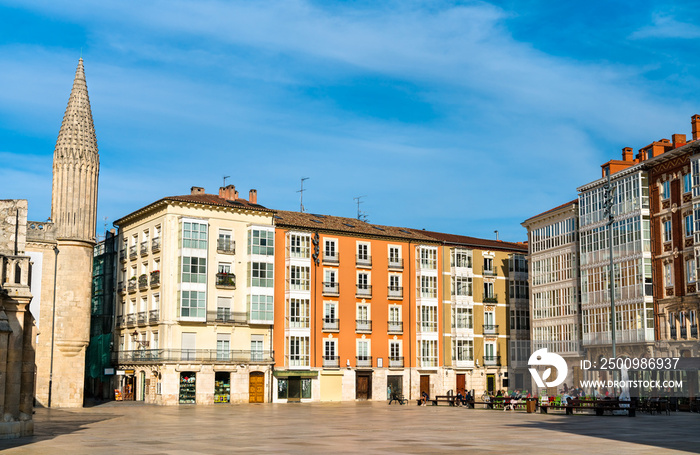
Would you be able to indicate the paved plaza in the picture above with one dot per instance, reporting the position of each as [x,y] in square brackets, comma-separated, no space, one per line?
[363,427]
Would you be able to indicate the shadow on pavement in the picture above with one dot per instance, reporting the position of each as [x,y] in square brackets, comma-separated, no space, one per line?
[677,431]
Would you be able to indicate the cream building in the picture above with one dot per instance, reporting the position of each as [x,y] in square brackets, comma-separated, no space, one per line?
[195,300]
[61,254]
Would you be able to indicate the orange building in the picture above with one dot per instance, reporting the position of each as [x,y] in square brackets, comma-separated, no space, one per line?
[357,315]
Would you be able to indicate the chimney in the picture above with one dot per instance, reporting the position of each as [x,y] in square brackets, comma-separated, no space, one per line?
[695,121]
[253,196]
[627,154]
[228,192]
[678,140]
[196,190]
[642,155]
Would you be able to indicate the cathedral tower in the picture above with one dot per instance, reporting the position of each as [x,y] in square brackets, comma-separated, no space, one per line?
[63,249]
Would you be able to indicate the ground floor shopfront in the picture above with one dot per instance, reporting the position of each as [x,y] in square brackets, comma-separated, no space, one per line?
[174,384]
[379,383]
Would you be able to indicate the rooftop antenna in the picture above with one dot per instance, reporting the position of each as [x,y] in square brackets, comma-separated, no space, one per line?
[225,177]
[301,194]
[496,235]
[360,214]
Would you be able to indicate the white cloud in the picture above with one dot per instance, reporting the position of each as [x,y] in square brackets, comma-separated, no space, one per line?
[666,26]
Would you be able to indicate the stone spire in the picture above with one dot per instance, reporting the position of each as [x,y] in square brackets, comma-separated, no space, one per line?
[76,165]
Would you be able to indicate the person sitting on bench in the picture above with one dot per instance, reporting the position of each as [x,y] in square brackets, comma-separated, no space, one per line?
[424,398]
[460,398]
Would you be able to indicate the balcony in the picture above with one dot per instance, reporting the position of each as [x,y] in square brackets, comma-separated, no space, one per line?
[131,285]
[395,362]
[131,320]
[152,316]
[395,327]
[142,318]
[226,316]
[193,355]
[363,325]
[132,252]
[674,333]
[684,332]
[363,290]
[693,331]
[226,246]
[363,260]
[331,259]
[331,288]
[144,248]
[491,298]
[119,321]
[331,361]
[225,280]
[492,360]
[122,255]
[120,287]
[363,361]
[155,278]
[396,263]
[155,245]
[143,281]
[490,329]
[331,325]
[489,272]
[395,292]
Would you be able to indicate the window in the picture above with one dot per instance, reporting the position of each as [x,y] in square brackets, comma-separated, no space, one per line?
[330,249]
[194,270]
[362,350]
[298,351]
[298,278]
[428,287]
[261,308]
[428,318]
[193,305]
[462,318]
[667,230]
[461,286]
[394,350]
[363,314]
[488,291]
[394,314]
[463,350]
[489,352]
[299,246]
[194,235]
[489,319]
[461,258]
[299,313]
[428,258]
[363,281]
[330,311]
[394,255]
[363,252]
[690,270]
[256,348]
[261,274]
[329,353]
[223,308]
[668,277]
[687,183]
[488,265]
[224,242]
[261,242]
[428,353]
[688,224]
[223,346]
[666,189]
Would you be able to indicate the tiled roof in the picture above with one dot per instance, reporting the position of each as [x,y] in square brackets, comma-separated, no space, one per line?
[474,241]
[575,201]
[346,225]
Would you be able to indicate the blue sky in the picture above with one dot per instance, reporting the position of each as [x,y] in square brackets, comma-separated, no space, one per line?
[462,117]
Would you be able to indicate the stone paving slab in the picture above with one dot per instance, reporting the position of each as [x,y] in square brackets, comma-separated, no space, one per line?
[362,427]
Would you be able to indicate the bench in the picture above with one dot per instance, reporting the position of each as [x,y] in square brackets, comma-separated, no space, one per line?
[599,406]
[447,399]
[399,398]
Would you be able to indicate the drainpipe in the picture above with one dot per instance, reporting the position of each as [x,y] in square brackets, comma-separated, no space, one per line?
[53,320]
[410,327]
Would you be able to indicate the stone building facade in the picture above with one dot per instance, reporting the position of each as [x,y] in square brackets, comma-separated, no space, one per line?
[17,328]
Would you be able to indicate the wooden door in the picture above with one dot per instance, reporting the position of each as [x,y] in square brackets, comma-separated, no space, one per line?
[362,387]
[460,384]
[256,389]
[491,383]
[425,385]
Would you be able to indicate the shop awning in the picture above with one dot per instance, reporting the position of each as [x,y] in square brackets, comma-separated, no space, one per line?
[300,373]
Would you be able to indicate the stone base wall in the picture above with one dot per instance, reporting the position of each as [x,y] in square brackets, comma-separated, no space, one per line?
[18,429]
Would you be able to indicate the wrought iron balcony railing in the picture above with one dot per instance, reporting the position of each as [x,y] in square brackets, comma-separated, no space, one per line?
[396,263]
[331,361]
[364,290]
[132,252]
[331,325]
[193,355]
[395,362]
[155,278]
[674,333]
[395,327]
[144,248]
[226,246]
[142,318]
[331,258]
[395,292]
[226,316]
[143,281]
[364,260]
[491,298]
[490,329]
[225,280]
[363,361]
[363,325]
[153,316]
[331,288]
[155,244]
[492,360]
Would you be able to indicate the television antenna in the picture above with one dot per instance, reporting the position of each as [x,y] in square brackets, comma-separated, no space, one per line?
[225,177]
[362,216]
[301,194]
